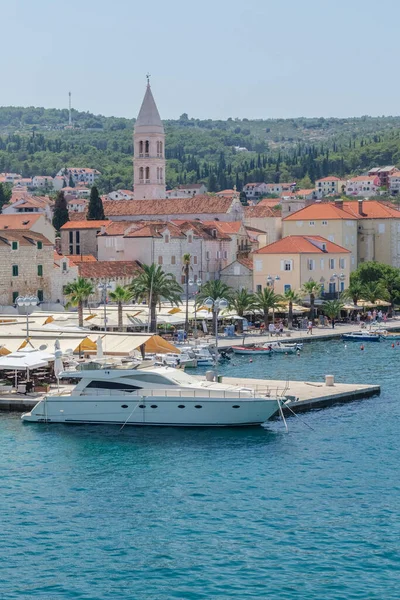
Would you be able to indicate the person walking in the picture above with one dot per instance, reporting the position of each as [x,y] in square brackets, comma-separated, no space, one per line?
[333,323]
[309,327]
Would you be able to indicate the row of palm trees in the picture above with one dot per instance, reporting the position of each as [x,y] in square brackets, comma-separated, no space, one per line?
[153,286]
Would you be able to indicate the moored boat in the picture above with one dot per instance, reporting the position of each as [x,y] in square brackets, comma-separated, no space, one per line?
[362,336]
[152,396]
[251,350]
[282,348]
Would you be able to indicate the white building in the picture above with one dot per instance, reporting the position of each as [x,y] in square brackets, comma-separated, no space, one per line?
[42,181]
[121,195]
[363,186]
[79,175]
[329,186]
[255,190]
[187,191]
[394,183]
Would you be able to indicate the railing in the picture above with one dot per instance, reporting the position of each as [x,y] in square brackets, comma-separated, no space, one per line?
[245,394]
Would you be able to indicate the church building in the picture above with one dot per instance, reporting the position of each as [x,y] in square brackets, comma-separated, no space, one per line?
[149,151]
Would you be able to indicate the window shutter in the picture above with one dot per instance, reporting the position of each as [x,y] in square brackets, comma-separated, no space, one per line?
[282,265]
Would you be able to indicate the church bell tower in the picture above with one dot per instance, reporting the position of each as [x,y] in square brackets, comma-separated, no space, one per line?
[149,151]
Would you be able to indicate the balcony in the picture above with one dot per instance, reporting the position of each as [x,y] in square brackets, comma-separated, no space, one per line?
[330,295]
[244,250]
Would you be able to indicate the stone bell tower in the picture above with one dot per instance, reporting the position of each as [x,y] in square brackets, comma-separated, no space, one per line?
[149,151]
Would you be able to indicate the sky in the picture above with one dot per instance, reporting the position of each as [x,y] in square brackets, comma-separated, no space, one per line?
[211,59]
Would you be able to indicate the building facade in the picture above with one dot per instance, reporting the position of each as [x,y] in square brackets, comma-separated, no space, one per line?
[80,237]
[294,260]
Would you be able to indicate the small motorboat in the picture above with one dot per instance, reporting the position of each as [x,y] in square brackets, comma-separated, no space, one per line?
[281,348]
[362,336]
[251,350]
[390,336]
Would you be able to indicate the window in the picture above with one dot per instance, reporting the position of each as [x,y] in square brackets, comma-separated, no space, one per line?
[77,249]
[141,174]
[259,287]
[166,239]
[147,147]
[322,264]
[181,406]
[299,223]
[287,265]
[225,254]
[381,228]
[258,265]
[342,263]
[112,385]
[14,245]
[324,222]
[39,245]
[198,406]
[311,264]
[353,260]
[183,279]
[15,296]
[287,287]
[312,223]
[40,295]
[140,148]
[331,263]
[147,174]
[78,237]
[40,270]
[342,286]
[208,255]
[15,270]
[71,237]
[324,247]
[64,266]
[173,260]
[195,260]
[160,260]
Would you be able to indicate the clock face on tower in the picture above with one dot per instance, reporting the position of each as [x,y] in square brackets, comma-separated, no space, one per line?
[149,151]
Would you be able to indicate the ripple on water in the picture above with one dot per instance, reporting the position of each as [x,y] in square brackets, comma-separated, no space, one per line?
[94,513]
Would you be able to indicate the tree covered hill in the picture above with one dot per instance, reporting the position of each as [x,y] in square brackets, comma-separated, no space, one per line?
[36,141]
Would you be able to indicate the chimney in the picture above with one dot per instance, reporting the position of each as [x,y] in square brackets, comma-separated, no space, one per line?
[339,204]
[360,207]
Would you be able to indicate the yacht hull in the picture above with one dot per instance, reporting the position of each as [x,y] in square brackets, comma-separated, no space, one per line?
[154,411]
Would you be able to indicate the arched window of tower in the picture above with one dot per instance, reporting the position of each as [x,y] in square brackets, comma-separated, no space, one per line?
[141,148]
[147,148]
[141,177]
[147,174]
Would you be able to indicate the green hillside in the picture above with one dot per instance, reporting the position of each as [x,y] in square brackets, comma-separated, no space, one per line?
[35,141]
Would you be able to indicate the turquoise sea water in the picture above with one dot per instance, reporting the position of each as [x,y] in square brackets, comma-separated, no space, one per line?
[95,513]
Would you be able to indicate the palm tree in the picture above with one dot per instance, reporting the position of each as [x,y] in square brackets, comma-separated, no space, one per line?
[354,292]
[153,285]
[332,308]
[214,289]
[313,289]
[373,291]
[120,295]
[77,293]
[187,267]
[241,302]
[291,297]
[266,299]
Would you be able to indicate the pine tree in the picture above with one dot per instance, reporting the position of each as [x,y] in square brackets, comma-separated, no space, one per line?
[3,199]
[61,215]
[71,181]
[95,210]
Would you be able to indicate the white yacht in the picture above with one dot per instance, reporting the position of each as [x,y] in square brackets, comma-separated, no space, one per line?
[152,396]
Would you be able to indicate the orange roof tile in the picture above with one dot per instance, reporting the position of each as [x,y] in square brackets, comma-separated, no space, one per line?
[19,221]
[225,226]
[169,206]
[117,227]
[320,211]
[372,209]
[301,244]
[333,178]
[305,192]
[271,202]
[262,211]
[108,269]
[246,262]
[84,224]
[81,258]
[23,237]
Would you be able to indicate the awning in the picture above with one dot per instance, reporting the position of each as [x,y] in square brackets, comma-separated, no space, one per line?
[124,344]
[22,361]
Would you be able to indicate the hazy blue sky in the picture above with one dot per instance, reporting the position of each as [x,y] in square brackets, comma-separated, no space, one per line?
[211,59]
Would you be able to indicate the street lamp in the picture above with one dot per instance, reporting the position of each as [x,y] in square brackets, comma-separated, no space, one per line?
[271,283]
[27,301]
[216,306]
[335,277]
[198,282]
[104,287]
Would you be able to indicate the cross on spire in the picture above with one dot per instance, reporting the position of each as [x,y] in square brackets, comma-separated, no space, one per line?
[148,78]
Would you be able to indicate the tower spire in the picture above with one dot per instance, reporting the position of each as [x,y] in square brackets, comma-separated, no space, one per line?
[149,149]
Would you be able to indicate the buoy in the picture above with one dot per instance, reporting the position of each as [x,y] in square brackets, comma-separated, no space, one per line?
[361,347]
[392,345]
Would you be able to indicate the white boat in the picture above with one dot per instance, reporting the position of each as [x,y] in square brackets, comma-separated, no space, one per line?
[282,348]
[363,336]
[253,350]
[152,396]
[172,359]
[201,353]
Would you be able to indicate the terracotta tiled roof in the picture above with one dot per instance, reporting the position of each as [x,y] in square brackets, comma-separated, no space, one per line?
[203,230]
[117,227]
[246,262]
[301,244]
[262,211]
[372,209]
[77,216]
[81,224]
[225,226]
[305,192]
[23,237]
[19,221]
[108,269]
[169,206]
[81,258]
[226,193]
[329,179]
[24,195]
[320,211]
[372,178]
[271,202]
